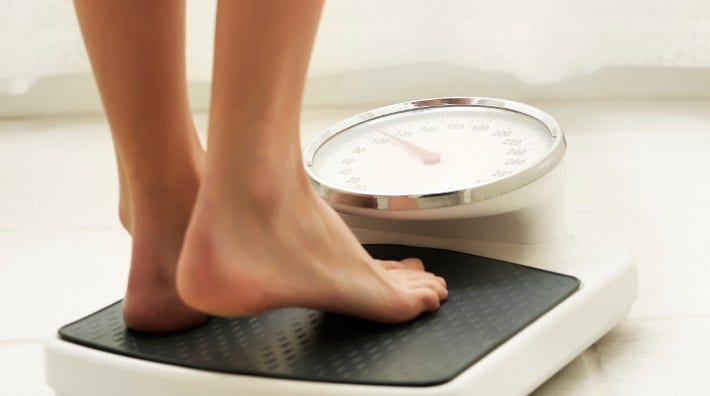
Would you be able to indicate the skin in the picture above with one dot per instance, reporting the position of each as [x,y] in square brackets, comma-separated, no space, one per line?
[137,54]
[236,230]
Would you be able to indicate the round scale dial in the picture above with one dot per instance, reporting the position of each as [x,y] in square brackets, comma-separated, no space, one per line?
[435,147]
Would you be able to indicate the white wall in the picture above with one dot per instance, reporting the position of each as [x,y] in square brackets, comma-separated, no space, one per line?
[370,52]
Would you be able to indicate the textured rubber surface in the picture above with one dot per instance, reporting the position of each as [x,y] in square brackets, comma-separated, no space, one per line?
[489,301]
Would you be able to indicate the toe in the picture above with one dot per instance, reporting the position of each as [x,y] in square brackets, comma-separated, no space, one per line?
[408,264]
[431,284]
[412,263]
[429,300]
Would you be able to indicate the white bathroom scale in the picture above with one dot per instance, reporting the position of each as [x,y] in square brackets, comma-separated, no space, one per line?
[472,186]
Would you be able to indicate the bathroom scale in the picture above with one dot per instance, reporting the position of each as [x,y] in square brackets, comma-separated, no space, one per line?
[472,186]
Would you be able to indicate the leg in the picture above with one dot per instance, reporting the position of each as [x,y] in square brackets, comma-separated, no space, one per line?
[124,201]
[260,237]
[137,54]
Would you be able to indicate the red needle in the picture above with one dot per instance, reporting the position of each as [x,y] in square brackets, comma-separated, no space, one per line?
[429,157]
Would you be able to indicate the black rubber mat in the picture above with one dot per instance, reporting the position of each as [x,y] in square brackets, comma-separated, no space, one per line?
[489,301]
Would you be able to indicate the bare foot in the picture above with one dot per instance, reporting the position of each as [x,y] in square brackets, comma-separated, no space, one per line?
[160,216]
[244,254]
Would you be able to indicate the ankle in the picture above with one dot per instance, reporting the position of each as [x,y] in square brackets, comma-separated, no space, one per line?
[124,214]
[262,187]
[172,164]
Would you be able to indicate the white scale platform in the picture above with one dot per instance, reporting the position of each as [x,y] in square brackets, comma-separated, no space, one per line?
[518,366]
[524,224]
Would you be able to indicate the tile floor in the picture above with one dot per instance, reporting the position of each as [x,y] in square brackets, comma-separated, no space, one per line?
[638,178]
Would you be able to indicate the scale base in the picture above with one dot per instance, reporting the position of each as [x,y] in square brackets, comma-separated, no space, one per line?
[505,329]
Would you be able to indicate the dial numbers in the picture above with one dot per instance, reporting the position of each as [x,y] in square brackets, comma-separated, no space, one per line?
[431,151]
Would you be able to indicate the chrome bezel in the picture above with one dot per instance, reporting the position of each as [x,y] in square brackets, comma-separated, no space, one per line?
[439,200]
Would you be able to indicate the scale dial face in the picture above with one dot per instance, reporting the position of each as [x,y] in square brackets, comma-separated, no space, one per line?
[436,152]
